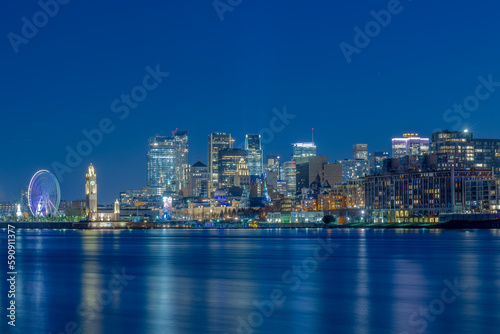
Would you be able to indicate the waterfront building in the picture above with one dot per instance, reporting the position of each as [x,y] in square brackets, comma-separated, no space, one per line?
[91,191]
[360,152]
[254,155]
[91,201]
[7,208]
[481,196]
[216,142]
[409,144]
[419,196]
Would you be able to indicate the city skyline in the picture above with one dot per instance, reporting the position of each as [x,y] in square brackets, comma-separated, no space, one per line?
[295,148]
[236,88]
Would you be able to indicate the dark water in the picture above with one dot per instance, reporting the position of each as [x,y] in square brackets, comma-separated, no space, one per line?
[221,281]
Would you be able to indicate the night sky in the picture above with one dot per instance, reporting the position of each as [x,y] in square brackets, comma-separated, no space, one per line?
[228,75]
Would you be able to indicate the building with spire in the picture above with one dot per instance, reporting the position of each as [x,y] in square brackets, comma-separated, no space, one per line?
[93,215]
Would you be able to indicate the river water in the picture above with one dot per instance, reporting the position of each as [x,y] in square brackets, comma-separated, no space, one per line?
[254,281]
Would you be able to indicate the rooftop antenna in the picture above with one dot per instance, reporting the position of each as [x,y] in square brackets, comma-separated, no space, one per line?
[312,130]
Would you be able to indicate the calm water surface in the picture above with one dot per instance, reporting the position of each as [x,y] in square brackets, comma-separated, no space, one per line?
[221,281]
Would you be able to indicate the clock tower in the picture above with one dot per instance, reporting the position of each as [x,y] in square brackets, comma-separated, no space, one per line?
[91,191]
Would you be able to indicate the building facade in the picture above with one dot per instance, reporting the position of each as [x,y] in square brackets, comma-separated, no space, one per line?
[353,169]
[254,155]
[377,162]
[162,164]
[228,161]
[198,180]
[419,196]
[409,144]
[360,152]
[303,150]
[216,142]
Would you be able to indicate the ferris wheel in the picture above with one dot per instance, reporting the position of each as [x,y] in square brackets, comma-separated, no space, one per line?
[44,194]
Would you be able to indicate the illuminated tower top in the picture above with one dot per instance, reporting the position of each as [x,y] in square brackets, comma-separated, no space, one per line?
[91,172]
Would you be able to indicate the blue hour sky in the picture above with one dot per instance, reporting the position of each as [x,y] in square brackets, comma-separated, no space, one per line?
[75,72]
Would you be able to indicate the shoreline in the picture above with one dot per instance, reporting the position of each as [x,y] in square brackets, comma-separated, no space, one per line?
[188,226]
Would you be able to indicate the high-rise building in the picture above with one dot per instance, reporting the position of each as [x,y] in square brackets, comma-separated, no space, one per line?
[303,150]
[198,180]
[254,155]
[228,161]
[409,144]
[242,176]
[487,154]
[273,164]
[308,169]
[333,174]
[377,162]
[162,164]
[460,149]
[216,143]
[91,191]
[453,148]
[182,165]
[360,152]
[290,176]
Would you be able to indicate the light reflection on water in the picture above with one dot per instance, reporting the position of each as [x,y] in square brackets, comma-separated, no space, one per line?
[203,281]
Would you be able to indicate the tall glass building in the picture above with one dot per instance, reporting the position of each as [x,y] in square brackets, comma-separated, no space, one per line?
[254,155]
[216,142]
[290,176]
[182,165]
[162,163]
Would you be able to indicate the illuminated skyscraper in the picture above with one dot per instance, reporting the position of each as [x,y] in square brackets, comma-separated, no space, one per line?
[303,150]
[254,155]
[410,144]
[216,143]
[182,165]
[360,152]
[162,164]
[290,176]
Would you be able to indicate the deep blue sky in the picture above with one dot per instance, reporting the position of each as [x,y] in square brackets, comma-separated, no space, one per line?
[228,76]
